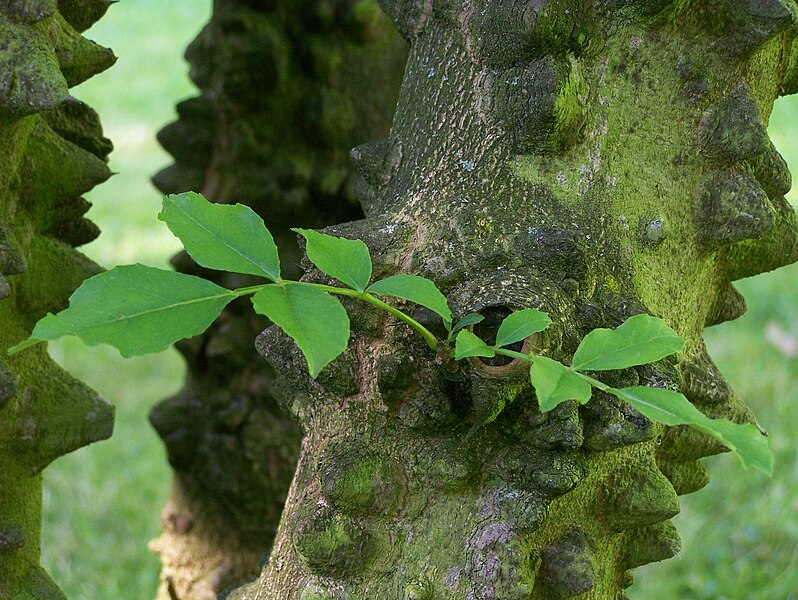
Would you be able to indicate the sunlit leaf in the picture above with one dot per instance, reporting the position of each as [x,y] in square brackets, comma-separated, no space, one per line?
[554,383]
[346,260]
[640,340]
[467,345]
[315,320]
[225,237]
[136,309]
[415,289]
[520,325]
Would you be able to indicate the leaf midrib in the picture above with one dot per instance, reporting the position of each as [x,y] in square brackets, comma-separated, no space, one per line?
[225,243]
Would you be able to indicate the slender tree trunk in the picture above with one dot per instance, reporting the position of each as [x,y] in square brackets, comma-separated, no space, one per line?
[591,159]
[287,89]
[53,151]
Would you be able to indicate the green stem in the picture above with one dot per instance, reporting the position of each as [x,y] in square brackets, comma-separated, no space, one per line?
[513,354]
[431,340]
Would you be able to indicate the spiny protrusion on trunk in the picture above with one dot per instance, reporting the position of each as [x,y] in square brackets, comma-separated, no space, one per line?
[568,568]
[685,477]
[498,563]
[776,248]
[44,433]
[732,130]
[12,259]
[377,162]
[745,25]
[653,543]
[37,585]
[637,494]
[82,14]
[29,11]
[357,481]
[702,381]
[168,418]
[561,427]
[178,178]
[653,229]
[420,589]
[730,208]
[79,124]
[335,545]
[514,32]
[55,159]
[12,537]
[772,172]
[30,78]
[728,305]
[538,104]
[610,424]
[190,138]
[409,16]
[79,58]
[547,473]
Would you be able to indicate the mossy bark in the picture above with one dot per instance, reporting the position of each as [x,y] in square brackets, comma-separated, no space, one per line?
[53,151]
[591,159]
[287,89]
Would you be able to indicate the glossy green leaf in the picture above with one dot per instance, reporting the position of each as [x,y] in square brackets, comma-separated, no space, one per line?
[467,321]
[520,325]
[415,289]
[467,344]
[640,340]
[315,320]
[225,237]
[672,408]
[554,383]
[136,309]
[346,260]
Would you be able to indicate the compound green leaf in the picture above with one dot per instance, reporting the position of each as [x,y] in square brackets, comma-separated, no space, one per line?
[346,260]
[315,320]
[639,340]
[415,289]
[225,237]
[467,344]
[136,309]
[672,408]
[520,325]
[554,383]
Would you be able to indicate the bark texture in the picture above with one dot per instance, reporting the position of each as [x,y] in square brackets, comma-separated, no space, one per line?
[53,151]
[287,89]
[594,160]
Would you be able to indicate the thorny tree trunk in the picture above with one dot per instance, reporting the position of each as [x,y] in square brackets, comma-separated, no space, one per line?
[51,151]
[592,159]
[287,89]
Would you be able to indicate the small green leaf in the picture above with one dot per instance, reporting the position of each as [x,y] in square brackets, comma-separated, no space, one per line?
[415,289]
[520,325]
[467,321]
[467,344]
[672,408]
[315,320]
[136,309]
[346,260]
[554,383]
[639,340]
[225,237]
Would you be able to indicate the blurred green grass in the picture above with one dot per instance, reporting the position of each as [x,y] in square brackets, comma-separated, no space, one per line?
[102,503]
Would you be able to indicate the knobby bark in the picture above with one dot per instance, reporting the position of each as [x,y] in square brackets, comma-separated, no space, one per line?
[53,151]
[591,159]
[287,88]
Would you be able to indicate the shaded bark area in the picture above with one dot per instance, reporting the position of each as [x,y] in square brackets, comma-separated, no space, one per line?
[594,160]
[53,151]
[287,89]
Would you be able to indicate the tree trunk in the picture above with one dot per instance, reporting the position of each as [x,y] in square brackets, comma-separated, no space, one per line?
[287,89]
[53,151]
[591,159]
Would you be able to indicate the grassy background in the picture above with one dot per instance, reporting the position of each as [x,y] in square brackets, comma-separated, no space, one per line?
[102,503]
